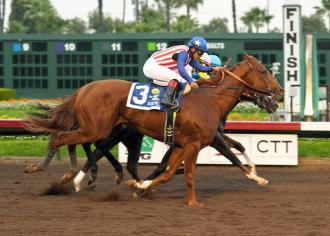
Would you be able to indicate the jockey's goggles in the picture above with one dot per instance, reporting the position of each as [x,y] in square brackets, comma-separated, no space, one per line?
[199,52]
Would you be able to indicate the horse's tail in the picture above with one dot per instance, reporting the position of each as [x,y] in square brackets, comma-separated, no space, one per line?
[60,118]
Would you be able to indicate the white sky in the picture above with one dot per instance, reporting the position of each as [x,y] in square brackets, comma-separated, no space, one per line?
[210,9]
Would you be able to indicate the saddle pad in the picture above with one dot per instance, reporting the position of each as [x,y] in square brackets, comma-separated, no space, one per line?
[146,96]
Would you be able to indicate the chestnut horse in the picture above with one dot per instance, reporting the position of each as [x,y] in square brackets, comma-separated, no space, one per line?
[132,140]
[99,106]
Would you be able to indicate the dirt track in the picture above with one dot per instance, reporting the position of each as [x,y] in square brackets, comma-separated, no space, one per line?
[296,202]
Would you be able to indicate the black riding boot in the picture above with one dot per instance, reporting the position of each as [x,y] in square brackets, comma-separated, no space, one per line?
[169,97]
[170,94]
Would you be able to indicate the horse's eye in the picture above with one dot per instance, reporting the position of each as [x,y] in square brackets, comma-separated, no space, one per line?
[262,70]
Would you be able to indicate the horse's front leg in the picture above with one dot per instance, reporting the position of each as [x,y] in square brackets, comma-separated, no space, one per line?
[173,164]
[190,159]
[221,143]
[238,146]
[189,154]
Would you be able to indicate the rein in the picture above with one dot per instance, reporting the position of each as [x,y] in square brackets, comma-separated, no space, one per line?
[233,75]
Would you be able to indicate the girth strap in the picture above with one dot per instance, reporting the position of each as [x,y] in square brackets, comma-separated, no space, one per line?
[169,126]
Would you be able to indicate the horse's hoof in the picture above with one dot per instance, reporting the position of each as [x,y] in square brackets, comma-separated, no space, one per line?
[139,193]
[131,183]
[143,184]
[262,182]
[119,178]
[92,178]
[196,204]
[33,168]
[68,176]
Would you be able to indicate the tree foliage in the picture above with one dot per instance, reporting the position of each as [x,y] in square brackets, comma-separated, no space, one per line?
[154,16]
[256,18]
[75,26]
[189,4]
[185,24]
[34,16]
[216,25]
[313,23]
[150,21]
[110,25]
[324,10]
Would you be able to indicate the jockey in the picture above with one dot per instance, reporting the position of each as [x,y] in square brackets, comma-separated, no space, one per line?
[206,59]
[168,67]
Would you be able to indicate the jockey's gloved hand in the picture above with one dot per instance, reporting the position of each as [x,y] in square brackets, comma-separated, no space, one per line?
[193,85]
[218,68]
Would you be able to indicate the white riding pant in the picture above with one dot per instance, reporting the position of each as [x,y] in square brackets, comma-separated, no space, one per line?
[161,75]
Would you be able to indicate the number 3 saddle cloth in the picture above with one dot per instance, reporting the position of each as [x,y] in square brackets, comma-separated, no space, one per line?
[146,96]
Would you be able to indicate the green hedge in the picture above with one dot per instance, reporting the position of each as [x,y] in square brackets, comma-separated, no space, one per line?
[6,94]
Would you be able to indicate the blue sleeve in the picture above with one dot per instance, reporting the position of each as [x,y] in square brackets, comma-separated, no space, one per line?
[182,58]
[195,64]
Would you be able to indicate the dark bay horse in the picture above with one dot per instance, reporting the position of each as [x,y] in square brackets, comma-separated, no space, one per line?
[101,105]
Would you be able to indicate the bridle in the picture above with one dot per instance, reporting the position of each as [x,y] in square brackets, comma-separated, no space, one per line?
[268,91]
[261,97]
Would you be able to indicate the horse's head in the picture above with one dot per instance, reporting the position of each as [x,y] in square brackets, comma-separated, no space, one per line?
[262,88]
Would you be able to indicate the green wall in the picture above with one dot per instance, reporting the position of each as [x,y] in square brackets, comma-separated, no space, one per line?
[47,66]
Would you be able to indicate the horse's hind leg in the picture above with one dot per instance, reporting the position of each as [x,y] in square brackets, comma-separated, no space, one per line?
[69,175]
[97,155]
[133,144]
[103,147]
[92,161]
[34,168]
[73,156]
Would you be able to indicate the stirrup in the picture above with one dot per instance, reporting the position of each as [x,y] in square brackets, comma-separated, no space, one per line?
[168,103]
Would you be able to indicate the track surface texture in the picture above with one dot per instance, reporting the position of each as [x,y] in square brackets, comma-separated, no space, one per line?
[296,202]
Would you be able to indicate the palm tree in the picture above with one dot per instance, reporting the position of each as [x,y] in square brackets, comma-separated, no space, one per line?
[233,3]
[190,4]
[256,17]
[124,10]
[101,21]
[324,10]
[2,15]
[267,18]
[137,9]
[247,19]
[168,26]
[168,4]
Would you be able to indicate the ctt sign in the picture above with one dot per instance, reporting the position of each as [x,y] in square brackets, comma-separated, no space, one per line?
[292,51]
[263,149]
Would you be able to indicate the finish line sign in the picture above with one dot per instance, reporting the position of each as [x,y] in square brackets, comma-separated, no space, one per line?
[262,149]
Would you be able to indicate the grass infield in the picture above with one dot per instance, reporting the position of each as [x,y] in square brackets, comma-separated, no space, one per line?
[36,146]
